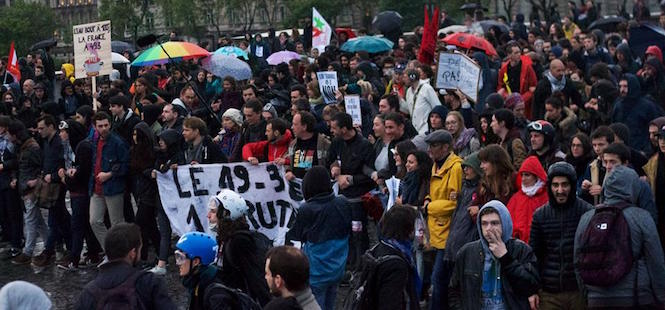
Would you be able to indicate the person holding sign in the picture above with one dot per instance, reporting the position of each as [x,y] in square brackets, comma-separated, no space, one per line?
[517,76]
[420,96]
[309,149]
[271,150]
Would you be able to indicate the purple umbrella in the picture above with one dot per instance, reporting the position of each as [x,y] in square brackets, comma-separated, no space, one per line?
[283,56]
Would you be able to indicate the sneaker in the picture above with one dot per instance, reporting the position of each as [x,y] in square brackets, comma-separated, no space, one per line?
[43,260]
[160,271]
[14,252]
[66,265]
[21,259]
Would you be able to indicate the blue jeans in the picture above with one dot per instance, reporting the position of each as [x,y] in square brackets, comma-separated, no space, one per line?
[440,279]
[81,228]
[34,225]
[58,225]
[325,295]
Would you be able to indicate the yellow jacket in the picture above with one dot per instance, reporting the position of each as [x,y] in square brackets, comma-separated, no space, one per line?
[651,171]
[447,180]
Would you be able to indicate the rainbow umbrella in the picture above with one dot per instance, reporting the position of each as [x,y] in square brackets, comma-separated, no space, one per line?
[177,50]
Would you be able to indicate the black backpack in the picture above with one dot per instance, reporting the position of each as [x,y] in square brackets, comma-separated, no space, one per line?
[363,280]
[218,296]
[605,254]
[121,297]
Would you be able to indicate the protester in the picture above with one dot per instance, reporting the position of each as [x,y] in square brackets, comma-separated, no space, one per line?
[543,145]
[274,149]
[287,272]
[10,206]
[498,182]
[594,176]
[506,267]
[200,149]
[580,155]
[23,295]
[420,99]
[445,186]
[517,75]
[503,126]
[396,282]
[642,244]
[531,195]
[117,277]
[551,238]
[323,225]
[654,170]
[465,138]
[308,149]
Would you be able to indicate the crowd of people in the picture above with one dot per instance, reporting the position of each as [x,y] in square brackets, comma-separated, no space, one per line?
[542,194]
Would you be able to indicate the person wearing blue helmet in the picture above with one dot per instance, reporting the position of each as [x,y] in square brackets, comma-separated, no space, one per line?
[195,254]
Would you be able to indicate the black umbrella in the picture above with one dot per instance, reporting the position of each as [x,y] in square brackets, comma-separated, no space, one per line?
[43,44]
[645,35]
[472,7]
[121,46]
[485,25]
[607,24]
[387,21]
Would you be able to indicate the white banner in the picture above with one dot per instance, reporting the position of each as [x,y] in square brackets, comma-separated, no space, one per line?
[92,49]
[458,71]
[321,31]
[327,85]
[352,107]
[271,199]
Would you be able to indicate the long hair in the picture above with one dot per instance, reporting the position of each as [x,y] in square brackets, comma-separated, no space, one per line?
[424,170]
[500,184]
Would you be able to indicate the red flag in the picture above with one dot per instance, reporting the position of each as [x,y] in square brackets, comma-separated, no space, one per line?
[427,50]
[12,64]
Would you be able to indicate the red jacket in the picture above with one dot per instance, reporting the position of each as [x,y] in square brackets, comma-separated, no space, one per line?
[521,206]
[527,80]
[275,149]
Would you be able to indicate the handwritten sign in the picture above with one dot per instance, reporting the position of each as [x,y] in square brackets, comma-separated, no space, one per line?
[458,71]
[272,200]
[327,85]
[352,107]
[92,49]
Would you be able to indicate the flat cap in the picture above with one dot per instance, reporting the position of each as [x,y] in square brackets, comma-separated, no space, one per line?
[439,136]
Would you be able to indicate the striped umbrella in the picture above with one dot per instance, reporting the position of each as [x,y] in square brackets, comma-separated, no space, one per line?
[177,50]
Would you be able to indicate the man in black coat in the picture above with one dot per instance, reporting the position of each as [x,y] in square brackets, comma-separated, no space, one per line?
[504,274]
[554,80]
[200,148]
[123,249]
[552,239]
[124,118]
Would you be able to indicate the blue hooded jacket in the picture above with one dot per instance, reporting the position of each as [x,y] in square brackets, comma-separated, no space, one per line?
[491,286]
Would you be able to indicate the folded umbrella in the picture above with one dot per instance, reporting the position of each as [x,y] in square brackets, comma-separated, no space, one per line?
[224,65]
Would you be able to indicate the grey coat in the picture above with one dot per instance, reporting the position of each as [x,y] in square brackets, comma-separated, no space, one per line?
[649,270]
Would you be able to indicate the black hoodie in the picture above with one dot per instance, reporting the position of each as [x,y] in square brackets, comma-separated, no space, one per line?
[553,234]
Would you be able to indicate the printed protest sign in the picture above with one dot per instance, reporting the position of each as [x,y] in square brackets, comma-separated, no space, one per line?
[92,49]
[352,107]
[271,199]
[458,71]
[327,85]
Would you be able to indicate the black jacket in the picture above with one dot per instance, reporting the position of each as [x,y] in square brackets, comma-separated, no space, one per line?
[544,91]
[29,164]
[9,163]
[243,267]
[394,278]
[211,153]
[125,127]
[83,164]
[248,134]
[151,289]
[53,156]
[357,159]
[519,280]
[553,235]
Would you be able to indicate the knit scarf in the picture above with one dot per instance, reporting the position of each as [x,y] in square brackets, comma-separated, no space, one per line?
[533,189]
[557,85]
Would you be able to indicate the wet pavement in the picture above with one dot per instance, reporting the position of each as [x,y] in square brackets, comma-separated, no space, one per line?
[64,287]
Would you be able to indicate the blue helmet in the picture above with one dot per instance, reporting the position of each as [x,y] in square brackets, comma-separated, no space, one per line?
[197,244]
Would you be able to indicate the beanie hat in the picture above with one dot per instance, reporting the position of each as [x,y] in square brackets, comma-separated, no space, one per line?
[472,161]
[557,51]
[494,100]
[512,100]
[234,115]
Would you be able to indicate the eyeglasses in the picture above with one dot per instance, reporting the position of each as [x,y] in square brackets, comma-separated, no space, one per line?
[63,125]
[535,126]
[180,257]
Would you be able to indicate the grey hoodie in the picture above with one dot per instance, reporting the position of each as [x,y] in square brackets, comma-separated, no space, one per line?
[21,295]
[649,270]
[491,266]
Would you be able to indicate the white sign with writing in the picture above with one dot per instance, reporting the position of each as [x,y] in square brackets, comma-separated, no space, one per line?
[458,71]
[92,49]
[271,199]
[352,107]
[327,85]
